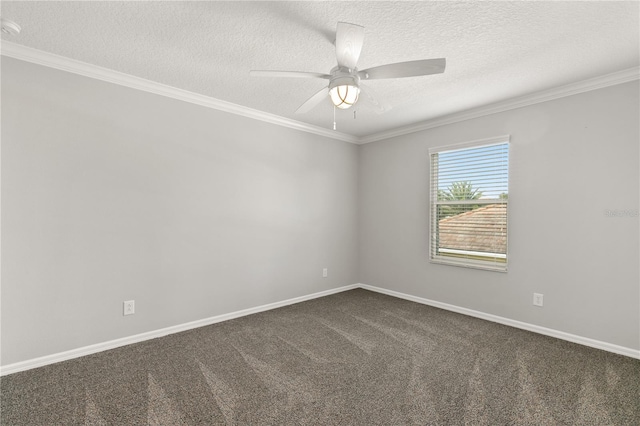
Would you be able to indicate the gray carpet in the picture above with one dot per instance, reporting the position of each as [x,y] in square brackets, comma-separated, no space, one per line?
[351,358]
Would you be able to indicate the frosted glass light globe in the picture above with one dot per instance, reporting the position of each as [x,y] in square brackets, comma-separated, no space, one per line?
[344,96]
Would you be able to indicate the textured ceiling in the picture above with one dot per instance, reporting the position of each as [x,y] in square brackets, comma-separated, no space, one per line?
[494,50]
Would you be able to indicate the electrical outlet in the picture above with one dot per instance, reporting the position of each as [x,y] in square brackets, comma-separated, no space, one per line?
[538,299]
[129,307]
[325,273]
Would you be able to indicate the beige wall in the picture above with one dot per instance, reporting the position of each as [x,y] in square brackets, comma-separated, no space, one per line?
[571,159]
[111,194]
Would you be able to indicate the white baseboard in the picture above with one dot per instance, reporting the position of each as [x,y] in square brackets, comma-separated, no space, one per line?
[609,347]
[99,347]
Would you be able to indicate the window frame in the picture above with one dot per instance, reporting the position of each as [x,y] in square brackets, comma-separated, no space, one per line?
[434,203]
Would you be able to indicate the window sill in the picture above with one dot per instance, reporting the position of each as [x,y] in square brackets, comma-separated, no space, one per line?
[470,263]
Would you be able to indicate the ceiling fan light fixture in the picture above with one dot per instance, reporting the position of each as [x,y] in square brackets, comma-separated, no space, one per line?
[344,96]
[344,79]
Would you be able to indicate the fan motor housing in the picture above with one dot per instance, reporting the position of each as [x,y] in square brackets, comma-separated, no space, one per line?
[344,77]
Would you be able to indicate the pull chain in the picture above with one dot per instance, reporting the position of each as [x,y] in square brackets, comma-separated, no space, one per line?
[334,117]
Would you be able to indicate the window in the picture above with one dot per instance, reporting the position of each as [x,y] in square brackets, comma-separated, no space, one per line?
[469,198]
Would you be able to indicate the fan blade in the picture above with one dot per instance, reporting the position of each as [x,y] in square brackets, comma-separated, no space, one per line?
[294,74]
[372,99]
[349,39]
[313,101]
[405,69]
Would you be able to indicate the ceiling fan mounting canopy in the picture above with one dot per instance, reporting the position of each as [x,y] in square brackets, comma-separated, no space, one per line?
[344,79]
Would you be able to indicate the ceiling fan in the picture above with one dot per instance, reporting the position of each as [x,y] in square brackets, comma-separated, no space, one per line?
[345,79]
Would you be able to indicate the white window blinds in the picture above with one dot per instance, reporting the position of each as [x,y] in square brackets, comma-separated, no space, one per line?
[469,199]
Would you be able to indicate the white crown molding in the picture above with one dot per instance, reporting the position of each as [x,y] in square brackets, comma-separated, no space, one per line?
[595,83]
[51,60]
[585,341]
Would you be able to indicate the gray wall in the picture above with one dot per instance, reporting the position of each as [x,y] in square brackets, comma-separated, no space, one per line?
[571,159]
[111,194]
